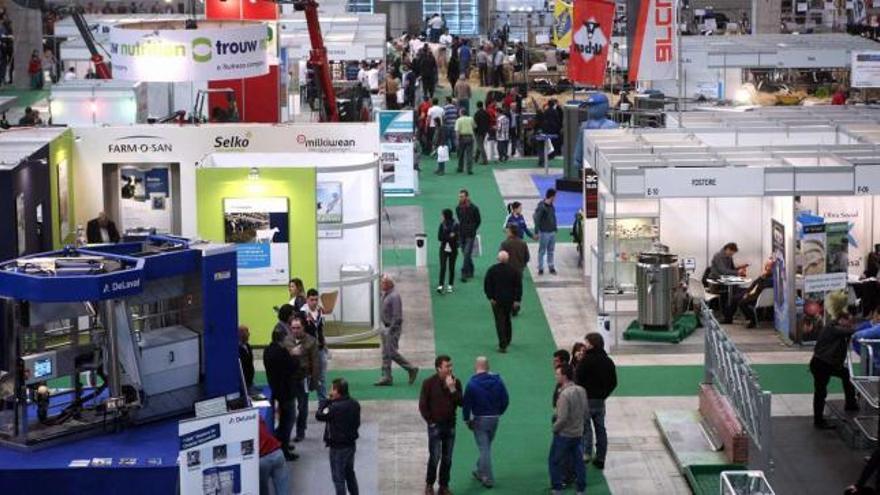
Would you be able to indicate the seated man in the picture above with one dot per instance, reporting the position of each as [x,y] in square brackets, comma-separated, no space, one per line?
[722,263]
[869,330]
[750,297]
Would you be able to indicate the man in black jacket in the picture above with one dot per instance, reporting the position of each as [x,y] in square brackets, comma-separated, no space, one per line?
[343,417]
[468,222]
[503,288]
[246,356]
[598,375]
[481,129]
[281,368]
[829,358]
[101,230]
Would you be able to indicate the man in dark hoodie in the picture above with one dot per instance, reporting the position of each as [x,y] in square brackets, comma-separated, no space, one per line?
[343,417]
[598,375]
[485,400]
[468,223]
[503,288]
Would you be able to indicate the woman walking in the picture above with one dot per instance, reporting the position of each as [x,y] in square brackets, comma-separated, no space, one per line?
[447,234]
[515,217]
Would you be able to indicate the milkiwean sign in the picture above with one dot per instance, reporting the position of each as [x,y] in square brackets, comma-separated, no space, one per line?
[166,52]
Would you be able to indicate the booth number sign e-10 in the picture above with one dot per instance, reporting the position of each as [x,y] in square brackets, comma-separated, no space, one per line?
[176,55]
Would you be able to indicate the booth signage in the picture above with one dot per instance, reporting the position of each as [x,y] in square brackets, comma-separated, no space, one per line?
[214,51]
[139,144]
[590,40]
[683,182]
[865,69]
[867,179]
[220,454]
[652,44]
[335,51]
[396,135]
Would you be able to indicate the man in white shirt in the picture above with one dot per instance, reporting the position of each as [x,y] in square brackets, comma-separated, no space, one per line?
[446,38]
[498,63]
[362,76]
[415,46]
[436,24]
[434,113]
[373,79]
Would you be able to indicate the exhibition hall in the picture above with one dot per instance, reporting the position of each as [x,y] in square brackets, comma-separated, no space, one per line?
[314,247]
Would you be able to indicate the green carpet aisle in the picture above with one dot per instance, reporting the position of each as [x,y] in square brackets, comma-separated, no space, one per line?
[464,329]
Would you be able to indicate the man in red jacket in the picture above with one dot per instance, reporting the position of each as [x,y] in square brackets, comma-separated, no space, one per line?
[441,395]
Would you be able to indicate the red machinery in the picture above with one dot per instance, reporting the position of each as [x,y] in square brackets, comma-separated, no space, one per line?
[318,59]
[101,69]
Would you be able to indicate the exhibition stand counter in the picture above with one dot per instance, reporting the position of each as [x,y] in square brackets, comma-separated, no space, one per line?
[694,190]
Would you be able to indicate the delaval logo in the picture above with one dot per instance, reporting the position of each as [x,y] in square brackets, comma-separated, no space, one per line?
[113,287]
[235,142]
[589,40]
[325,144]
[140,144]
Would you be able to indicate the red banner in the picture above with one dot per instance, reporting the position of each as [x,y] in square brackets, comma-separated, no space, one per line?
[593,21]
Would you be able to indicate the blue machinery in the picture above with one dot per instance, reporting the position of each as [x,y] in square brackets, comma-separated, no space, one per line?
[96,338]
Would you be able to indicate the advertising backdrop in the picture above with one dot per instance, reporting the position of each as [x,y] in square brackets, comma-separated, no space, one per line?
[144,53]
[562,25]
[780,294]
[145,198]
[652,41]
[329,209]
[593,23]
[396,136]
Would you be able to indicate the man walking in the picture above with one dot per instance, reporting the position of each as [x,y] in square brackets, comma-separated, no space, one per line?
[545,226]
[440,396]
[392,319]
[483,66]
[597,374]
[571,408]
[304,347]
[503,288]
[462,92]
[481,129]
[517,252]
[498,67]
[468,222]
[485,397]
[343,417]
[281,368]
[464,131]
[450,115]
[314,320]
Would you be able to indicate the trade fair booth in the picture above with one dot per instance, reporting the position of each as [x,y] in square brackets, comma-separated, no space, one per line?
[36,193]
[158,178]
[685,193]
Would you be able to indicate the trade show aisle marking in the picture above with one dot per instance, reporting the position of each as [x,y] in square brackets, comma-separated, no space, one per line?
[464,329]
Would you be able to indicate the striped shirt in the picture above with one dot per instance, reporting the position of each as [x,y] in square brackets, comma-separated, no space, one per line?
[450,113]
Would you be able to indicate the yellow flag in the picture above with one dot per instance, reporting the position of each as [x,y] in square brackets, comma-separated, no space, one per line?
[562,24]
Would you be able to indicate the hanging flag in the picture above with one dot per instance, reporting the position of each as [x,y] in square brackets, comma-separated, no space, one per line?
[652,41]
[592,25]
[562,25]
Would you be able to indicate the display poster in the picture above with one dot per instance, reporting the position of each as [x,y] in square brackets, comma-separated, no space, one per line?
[562,24]
[397,152]
[592,25]
[232,50]
[220,454]
[824,253]
[853,212]
[260,230]
[63,199]
[653,50]
[329,210]
[145,198]
[865,69]
[780,282]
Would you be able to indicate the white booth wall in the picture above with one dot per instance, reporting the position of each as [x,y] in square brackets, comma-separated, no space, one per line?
[326,146]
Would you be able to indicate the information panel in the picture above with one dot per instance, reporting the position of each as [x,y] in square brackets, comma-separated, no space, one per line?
[865,69]
[396,135]
[220,454]
[260,230]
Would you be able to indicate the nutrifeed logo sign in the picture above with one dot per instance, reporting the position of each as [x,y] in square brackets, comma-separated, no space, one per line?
[234,51]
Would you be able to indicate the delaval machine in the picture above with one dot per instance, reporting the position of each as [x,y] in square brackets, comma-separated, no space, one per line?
[92,339]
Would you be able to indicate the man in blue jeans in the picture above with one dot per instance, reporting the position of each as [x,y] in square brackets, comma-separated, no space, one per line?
[440,397]
[568,428]
[469,223]
[597,374]
[545,226]
[343,417]
[486,398]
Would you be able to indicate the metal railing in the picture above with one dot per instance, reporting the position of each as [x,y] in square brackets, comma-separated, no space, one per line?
[865,379]
[730,372]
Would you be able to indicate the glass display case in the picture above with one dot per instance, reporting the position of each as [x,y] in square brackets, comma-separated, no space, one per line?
[627,237]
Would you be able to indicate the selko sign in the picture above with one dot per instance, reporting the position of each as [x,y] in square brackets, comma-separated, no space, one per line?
[165,52]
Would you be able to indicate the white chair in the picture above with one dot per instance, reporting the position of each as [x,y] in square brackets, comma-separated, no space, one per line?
[765,299]
[697,292]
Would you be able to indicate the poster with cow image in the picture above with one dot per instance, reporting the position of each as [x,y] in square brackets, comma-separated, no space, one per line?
[260,230]
[329,195]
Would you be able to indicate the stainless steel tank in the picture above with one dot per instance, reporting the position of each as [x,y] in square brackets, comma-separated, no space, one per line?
[658,280]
